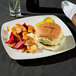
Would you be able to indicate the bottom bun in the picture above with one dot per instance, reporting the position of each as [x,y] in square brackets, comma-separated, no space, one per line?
[42,46]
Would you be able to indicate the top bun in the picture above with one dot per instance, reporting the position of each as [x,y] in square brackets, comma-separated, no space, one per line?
[49,30]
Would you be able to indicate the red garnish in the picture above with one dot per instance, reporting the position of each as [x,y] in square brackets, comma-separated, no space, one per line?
[25,25]
[11,39]
[11,35]
[19,45]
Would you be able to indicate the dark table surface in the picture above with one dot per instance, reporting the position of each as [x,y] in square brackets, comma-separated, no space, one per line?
[59,65]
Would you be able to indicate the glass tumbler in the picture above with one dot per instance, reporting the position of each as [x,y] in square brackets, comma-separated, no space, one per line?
[14,7]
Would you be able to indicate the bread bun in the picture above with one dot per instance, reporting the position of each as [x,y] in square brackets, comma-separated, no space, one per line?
[49,30]
[53,48]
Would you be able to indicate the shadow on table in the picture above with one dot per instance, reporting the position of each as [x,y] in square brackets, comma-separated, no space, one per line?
[49,60]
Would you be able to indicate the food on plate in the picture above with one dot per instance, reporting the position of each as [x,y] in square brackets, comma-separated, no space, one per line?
[25,38]
[39,23]
[49,35]
[29,42]
[19,39]
[31,29]
[8,28]
[48,19]
[22,50]
[32,48]
[24,34]
[11,45]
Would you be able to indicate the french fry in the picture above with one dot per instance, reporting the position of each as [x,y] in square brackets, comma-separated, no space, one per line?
[16,34]
[18,37]
[8,28]
[14,30]
[29,42]
[23,28]
[22,50]
[20,27]
[24,34]
[31,29]
[29,38]
[27,51]
[35,32]
[11,45]
[31,49]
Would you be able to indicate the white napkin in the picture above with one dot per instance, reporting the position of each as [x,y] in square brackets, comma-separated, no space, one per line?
[68,8]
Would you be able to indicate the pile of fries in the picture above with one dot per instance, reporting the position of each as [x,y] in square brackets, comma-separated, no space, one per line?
[19,38]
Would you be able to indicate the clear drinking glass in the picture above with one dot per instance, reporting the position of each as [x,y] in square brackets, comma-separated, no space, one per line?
[14,7]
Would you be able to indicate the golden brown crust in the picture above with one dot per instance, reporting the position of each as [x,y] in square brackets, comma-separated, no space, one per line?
[74,19]
[49,30]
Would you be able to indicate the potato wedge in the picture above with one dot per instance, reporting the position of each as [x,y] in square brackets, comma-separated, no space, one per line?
[20,27]
[22,50]
[11,45]
[18,37]
[29,42]
[29,38]
[31,49]
[14,30]
[8,28]
[24,34]
[31,29]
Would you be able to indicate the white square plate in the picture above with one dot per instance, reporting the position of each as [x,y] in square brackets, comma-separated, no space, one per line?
[15,54]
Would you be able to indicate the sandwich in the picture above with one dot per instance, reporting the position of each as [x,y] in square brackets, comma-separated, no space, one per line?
[49,35]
